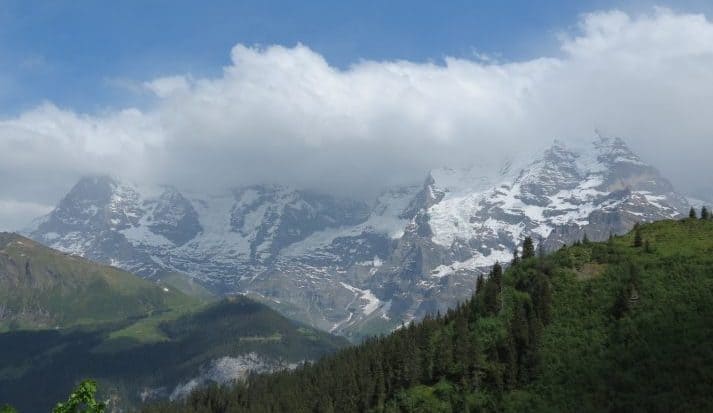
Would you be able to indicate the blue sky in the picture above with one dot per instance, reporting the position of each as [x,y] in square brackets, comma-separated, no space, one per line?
[370,91]
[82,54]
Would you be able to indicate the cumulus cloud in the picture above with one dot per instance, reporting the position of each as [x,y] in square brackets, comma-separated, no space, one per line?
[285,115]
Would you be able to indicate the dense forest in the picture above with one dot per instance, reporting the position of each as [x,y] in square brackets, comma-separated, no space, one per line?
[623,325]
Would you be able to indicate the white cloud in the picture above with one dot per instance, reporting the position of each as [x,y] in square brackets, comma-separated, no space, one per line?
[283,114]
[166,86]
[20,214]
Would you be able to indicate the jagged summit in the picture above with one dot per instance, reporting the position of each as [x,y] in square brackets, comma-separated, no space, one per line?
[351,266]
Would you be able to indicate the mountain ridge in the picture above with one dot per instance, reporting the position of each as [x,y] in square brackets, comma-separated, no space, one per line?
[356,268]
[43,288]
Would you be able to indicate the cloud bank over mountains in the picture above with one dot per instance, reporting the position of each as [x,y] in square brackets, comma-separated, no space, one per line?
[285,115]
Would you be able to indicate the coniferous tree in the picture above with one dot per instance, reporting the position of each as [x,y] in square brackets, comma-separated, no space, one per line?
[692,213]
[444,355]
[497,275]
[610,244]
[705,214]
[462,350]
[543,298]
[380,384]
[621,304]
[519,331]
[638,240]
[585,239]
[515,257]
[634,275]
[528,248]
[479,283]
[412,367]
[491,297]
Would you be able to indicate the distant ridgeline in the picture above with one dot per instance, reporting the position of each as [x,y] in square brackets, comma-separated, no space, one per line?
[359,268]
[621,325]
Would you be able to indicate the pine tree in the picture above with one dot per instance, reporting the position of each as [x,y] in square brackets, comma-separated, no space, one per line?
[443,359]
[585,239]
[528,248]
[515,257]
[380,391]
[705,214]
[479,285]
[610,245]
[497,275]
[543,298]
[621,304]
[491,297]
[692,213]
[638,240]
[462,350]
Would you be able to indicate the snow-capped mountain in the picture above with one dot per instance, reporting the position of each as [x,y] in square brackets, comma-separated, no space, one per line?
[349,266]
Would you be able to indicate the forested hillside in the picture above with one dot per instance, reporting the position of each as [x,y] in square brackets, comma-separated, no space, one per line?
[623,325]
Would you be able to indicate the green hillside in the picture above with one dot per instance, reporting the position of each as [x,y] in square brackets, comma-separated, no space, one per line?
[64,319]
[624,325]
[44,288]
[125,366]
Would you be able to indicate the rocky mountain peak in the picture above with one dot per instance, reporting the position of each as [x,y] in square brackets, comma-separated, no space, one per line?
[615,153]
[349,266]
[93,188]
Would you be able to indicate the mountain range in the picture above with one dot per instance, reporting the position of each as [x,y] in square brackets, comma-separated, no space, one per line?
[354,267]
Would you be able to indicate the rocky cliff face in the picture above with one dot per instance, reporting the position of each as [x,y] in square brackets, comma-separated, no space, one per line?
[353,267]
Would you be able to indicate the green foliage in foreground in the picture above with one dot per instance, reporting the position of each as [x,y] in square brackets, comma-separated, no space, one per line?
[81,400]
[593,327]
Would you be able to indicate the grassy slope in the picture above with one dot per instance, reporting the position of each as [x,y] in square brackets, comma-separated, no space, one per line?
[186,285]
[44,288]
